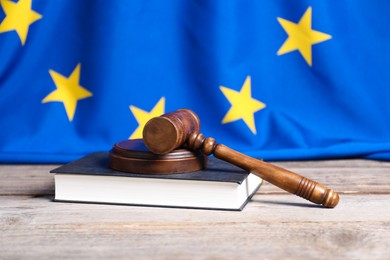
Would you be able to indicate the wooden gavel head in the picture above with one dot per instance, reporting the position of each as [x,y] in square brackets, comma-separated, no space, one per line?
[165,133]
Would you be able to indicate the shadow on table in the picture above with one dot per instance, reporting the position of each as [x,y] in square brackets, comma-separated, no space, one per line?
[284,203]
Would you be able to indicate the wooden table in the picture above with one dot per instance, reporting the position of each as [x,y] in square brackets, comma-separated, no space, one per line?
[274,225]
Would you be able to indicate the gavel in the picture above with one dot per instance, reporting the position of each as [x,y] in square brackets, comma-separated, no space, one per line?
[181,128]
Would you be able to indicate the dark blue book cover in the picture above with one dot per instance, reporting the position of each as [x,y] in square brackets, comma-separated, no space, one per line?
[98,164]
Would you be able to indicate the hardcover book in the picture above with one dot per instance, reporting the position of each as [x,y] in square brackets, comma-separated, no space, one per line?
[220,186]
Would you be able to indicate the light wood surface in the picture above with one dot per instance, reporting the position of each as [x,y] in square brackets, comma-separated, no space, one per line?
[274,225]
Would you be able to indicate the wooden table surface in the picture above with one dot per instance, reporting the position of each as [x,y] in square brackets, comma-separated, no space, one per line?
[274,225]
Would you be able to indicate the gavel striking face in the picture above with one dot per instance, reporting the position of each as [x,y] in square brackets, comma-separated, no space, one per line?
[181,129]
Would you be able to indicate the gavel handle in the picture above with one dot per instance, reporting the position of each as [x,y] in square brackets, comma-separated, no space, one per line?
[282,178]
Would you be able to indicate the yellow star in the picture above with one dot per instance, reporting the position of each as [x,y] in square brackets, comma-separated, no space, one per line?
[243,105]
[68,91]
[143,117]
[19,17]
[301,37]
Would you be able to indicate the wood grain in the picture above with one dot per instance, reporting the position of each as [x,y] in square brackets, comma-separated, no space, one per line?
[354,176]
[270,227]
[26,179]
[344,176]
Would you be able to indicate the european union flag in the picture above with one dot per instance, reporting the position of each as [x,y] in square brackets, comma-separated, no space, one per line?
[278,79]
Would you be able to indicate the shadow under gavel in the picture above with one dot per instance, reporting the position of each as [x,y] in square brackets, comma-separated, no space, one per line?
[181,129]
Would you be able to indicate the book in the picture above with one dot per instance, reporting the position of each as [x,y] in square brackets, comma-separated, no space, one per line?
[90,180]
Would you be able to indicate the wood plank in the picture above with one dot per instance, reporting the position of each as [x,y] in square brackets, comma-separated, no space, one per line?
[344,176]
[270,227]
[335,163]
[348,178]
[26,179]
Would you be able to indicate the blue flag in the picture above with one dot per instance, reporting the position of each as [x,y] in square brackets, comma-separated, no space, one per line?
[278,80]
